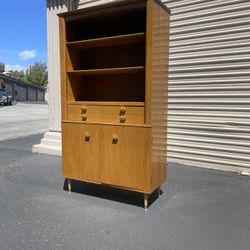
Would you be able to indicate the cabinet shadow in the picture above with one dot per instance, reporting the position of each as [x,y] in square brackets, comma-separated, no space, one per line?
[110,193]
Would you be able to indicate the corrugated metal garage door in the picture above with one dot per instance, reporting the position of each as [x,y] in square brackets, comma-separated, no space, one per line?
[209,111]
[209,83]
[21,93]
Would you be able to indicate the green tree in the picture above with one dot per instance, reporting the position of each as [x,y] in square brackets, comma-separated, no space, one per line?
[17,74]
[37,74]
[2,67]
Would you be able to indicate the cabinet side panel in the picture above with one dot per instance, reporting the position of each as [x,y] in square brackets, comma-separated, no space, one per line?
[159,88]
[148,73]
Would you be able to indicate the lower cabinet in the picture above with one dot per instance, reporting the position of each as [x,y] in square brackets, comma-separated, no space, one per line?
[114,155]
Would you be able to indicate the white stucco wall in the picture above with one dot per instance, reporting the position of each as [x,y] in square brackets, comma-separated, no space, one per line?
[51,143]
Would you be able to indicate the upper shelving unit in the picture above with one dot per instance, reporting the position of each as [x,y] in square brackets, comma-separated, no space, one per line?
[106,54]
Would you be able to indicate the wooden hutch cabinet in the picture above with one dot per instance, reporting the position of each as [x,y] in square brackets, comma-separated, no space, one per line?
[114,85]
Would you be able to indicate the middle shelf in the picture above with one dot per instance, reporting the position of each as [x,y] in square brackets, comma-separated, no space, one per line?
[125,51]
[104,71]
[111,85]
[108,41]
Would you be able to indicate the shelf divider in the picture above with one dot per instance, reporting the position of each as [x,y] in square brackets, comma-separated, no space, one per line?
[104,71]
[108,41]
[107,103]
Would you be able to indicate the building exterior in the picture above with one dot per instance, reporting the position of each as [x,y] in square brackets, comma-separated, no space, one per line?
[23,91]
[209,82]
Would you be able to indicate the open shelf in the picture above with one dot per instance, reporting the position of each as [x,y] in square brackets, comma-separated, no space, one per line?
[100,87]
[108,41]
[119,55]
[127,70]
[112,22]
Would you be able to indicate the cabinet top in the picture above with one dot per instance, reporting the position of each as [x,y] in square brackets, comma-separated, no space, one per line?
[119,3]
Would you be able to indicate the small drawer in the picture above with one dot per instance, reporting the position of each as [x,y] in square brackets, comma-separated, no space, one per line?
[106,114]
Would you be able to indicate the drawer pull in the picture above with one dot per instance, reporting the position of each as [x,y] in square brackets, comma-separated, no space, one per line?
[87,136]
[84,117]
[114,139]
[122,119]
[122,111]
[84,110]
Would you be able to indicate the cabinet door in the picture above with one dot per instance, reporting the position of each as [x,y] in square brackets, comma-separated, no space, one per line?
[81,152]
[125,155]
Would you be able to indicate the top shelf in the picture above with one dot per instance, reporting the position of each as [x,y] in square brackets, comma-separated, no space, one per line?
[108,41]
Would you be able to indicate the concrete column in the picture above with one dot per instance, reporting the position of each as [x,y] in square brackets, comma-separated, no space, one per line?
[51,143]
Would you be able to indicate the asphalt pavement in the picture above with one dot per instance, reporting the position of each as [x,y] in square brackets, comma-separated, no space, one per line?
[199,209]
[23,119]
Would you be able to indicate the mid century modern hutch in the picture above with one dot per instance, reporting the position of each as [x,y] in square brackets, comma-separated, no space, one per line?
[114,85]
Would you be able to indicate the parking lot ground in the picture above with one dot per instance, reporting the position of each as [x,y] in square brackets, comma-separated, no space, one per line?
[199,209]
[23,119]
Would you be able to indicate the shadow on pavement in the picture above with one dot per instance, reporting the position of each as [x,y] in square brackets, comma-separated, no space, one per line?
[110,193]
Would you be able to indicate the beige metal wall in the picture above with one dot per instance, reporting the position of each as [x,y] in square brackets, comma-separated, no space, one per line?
[209,111]
[209,83]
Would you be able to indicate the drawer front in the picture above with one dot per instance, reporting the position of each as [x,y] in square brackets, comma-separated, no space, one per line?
[108,114]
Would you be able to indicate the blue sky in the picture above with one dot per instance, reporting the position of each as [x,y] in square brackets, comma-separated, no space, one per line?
[23,39]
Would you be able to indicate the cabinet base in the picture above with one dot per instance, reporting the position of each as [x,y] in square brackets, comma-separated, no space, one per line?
[145,195]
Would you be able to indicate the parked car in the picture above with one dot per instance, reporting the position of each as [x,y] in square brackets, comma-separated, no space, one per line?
[5,98]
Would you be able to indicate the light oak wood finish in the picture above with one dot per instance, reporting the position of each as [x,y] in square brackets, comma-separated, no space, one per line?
[108,154]
[126,160]
[81,151]
[159,94]
[114,94]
